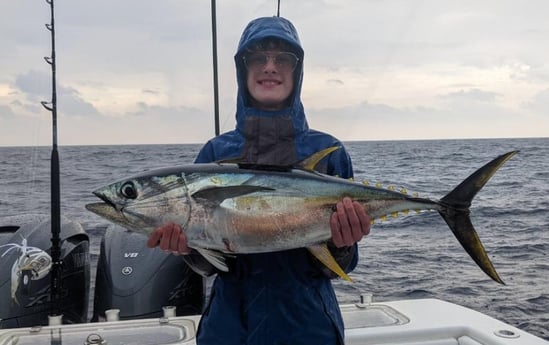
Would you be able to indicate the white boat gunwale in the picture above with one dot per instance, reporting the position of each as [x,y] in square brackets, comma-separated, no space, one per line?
[403,322]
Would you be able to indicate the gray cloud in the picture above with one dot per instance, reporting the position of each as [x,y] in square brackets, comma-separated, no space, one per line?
[35,84]
[472,94]
[146,109]
[335,82]
[72,104]
[443,53]
[6,111]
[152,92]
[540,103]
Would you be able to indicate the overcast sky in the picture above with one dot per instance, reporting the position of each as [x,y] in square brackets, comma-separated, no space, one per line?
[139,72]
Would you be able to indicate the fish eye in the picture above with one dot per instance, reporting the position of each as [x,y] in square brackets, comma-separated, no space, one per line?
[128,190]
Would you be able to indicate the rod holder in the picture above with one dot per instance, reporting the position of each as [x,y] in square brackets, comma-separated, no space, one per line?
[55,320]
[169,311]
[112,314]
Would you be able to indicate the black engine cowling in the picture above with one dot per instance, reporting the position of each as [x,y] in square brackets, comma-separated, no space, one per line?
[25,299]
[139,281]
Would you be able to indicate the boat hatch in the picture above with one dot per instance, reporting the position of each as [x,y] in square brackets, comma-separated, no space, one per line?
[360,316]
[165,331]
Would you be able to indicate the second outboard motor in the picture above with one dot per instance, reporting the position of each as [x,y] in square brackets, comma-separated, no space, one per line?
[139,281]
[25,263]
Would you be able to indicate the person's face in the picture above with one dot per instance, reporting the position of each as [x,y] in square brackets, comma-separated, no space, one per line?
[270,78]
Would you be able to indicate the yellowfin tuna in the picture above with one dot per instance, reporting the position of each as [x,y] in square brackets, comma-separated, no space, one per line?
[226,208]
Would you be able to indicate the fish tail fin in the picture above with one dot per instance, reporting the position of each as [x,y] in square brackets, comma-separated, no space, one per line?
[455,211]
[322,253]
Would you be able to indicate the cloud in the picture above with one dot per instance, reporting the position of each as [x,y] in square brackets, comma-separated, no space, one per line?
[471,95]
[148,124]
[6,111]
[72,103]
[335,82]
[141,72]
[152,92]
[539,103]
[165,112]
[457,119]
[35,86]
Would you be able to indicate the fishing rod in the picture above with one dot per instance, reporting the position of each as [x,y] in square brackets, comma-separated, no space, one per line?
[55,185]
[214,53]
[215,78]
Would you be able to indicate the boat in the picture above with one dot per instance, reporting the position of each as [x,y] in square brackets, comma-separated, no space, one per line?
[406,322]
[144,296]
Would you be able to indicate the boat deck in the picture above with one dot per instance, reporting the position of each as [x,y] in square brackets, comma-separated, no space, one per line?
[407,322]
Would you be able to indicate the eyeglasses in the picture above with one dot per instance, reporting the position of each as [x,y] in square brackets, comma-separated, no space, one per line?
[283,60]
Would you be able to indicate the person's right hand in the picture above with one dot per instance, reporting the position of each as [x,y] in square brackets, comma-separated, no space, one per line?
[349,223]
[169,237]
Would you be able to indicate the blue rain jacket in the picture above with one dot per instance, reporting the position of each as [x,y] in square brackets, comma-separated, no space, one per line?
[283,297]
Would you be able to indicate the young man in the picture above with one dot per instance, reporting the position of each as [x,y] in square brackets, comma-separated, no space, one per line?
[281,297]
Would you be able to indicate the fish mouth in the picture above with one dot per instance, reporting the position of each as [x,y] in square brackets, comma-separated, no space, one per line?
[107,208]
[107,211]
[100,208]
[105,199]
[117,214]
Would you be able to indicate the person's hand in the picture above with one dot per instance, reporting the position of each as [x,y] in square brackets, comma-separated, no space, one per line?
[169,237]
[349,223]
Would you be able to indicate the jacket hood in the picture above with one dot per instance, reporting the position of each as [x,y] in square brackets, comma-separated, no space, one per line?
[257,30]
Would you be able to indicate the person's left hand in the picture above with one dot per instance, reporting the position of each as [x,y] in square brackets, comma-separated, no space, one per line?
[169,237]
[349,223]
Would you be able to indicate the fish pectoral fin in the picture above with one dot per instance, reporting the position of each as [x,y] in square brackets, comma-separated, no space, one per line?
[216,195]
[323,254]
[216,258]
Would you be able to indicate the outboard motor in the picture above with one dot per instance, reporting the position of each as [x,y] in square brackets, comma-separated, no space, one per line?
[25,278]
[139,281]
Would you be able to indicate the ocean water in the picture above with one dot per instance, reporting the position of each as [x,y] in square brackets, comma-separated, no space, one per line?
[411,256]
